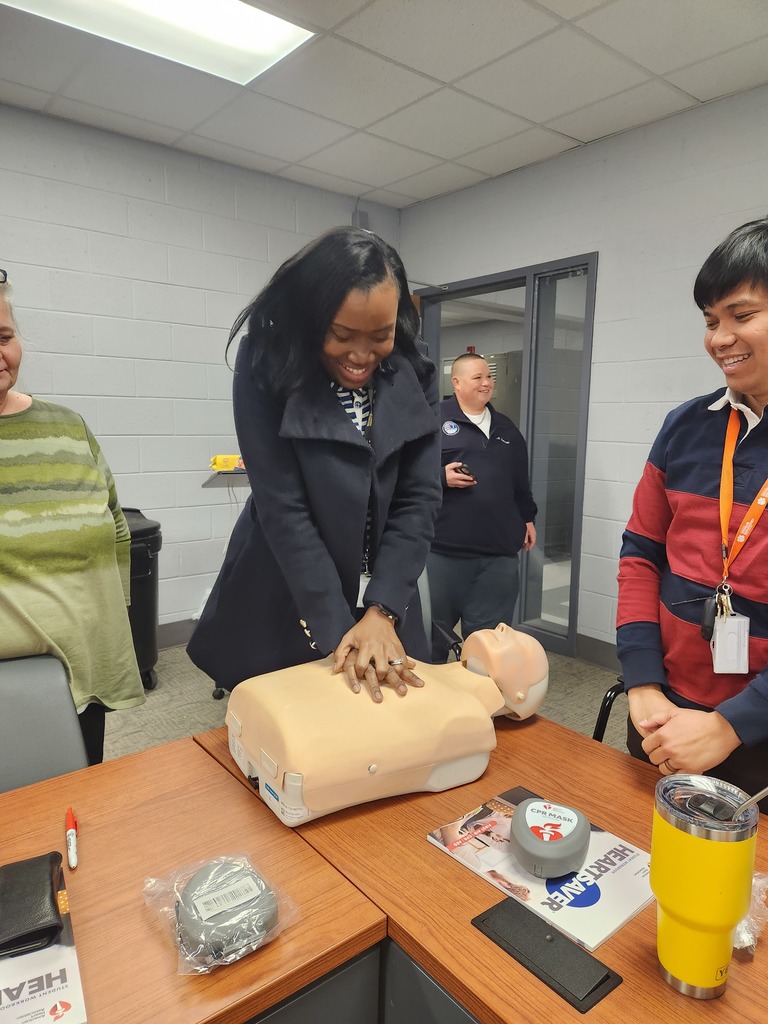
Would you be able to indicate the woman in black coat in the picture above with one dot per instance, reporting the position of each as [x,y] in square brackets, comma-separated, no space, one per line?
[336,416]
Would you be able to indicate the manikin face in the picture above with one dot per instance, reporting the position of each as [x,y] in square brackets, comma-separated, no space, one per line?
[473,384]
[515,661]
[362,333]
[736,337]
[10,353]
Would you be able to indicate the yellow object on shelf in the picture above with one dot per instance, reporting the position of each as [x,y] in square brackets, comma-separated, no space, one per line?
[224,463]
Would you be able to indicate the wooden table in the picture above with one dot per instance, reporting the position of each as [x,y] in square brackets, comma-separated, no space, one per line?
[146,815]
[430,900]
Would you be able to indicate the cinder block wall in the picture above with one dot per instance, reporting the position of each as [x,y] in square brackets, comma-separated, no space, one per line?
[130,262]
[653,202]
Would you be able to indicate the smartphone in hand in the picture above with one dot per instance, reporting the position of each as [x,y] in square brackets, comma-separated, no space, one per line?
[465,471]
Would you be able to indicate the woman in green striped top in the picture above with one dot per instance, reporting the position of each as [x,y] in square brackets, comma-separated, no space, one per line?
[64,548]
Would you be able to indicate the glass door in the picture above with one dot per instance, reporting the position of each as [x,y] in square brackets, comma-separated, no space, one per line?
[559,394]
[534,327]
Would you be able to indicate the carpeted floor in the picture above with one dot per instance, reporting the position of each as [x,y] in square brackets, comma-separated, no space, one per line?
[182,704]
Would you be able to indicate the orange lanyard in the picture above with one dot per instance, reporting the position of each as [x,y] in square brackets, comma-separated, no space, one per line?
[756,509]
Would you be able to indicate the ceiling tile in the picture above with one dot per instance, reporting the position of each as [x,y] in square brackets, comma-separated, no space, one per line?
[16,95]
[552,76]
[364,108]
[229,154]
[570,9]
[377,162]
[148,87]
[663,36]
[323,13]
[448,123]
[39,53]
[387,197]
[729,72]
[526,148]
[340,81]
[263,125]
[98,117]
[446,38]
[439,180]
[330,182]
[641,105]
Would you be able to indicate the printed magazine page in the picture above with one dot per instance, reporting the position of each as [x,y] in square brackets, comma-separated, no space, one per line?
[589,906]
[44,985]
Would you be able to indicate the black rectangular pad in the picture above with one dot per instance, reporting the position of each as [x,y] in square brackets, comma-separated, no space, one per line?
[570,970]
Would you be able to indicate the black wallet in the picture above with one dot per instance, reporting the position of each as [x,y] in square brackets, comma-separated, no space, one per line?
[29,908]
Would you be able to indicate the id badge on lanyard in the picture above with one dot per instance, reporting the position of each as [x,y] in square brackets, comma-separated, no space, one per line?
[729,630]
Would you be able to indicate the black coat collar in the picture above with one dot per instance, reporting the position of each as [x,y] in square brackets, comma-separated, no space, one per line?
[401,412]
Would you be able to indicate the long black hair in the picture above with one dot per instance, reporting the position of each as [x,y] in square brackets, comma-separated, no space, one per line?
[741,258]
[288,320]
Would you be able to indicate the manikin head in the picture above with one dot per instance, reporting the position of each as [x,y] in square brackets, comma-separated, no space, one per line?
[515,661]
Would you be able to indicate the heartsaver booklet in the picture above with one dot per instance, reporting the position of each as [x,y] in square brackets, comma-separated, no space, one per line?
[44,985]
[589,906]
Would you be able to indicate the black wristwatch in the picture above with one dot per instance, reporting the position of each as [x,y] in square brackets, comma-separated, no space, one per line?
[386,612]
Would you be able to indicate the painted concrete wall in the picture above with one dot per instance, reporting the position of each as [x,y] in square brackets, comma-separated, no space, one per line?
[130,262]
[653,203]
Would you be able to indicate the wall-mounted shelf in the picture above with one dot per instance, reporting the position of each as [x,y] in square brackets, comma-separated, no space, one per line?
[227,478]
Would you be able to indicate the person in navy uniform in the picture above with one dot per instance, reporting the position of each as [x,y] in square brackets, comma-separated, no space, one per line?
[488,512]
[336,415]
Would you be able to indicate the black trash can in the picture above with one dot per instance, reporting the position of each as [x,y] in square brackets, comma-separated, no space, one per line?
[146,541]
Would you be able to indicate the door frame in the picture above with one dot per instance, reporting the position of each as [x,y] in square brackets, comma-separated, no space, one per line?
[430,299]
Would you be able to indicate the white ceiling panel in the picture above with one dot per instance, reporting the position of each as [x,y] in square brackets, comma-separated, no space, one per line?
[649,102]
[307,13]
[230,154]
[527,148]
[263,125]
[446,38]
[726,73]
[112,120]
[329,182]
[667,32]
[388,197]
[374,161]
[338,80]
[570,9]
[449,123]
[363,108]
[16,95]
[37,53]
[524,82]
[148,87]
[439,180]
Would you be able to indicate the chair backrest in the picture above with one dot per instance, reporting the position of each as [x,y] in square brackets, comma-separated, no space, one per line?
[605,708]
[426,604]
[39,732]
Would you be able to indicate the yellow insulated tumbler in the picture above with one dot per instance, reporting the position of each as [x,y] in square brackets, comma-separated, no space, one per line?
[701,876]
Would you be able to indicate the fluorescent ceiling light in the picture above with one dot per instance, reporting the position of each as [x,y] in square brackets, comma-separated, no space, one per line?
[227,38]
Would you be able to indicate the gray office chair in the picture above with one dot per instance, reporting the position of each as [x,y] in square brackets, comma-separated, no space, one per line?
[426,603]
[39,732]
[452,639]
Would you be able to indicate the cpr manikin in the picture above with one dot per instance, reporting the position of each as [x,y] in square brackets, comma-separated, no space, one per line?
[315,746]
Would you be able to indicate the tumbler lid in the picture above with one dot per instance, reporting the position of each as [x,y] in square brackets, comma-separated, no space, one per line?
[696,804]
